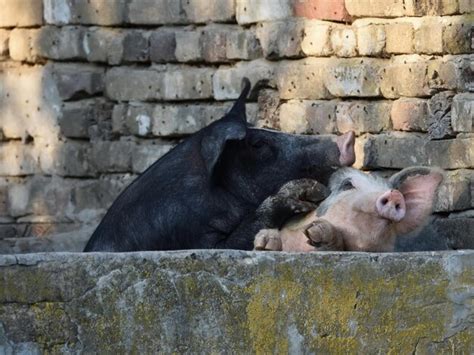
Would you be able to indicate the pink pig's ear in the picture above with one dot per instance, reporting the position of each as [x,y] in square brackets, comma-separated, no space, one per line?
[418,186]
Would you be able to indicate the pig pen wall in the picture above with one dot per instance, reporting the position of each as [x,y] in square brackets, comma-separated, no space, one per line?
[237,302]
[92,92]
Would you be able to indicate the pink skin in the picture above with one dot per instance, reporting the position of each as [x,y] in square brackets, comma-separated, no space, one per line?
[369,216]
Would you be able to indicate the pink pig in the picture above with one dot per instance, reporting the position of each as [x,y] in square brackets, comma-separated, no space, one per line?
[362,213]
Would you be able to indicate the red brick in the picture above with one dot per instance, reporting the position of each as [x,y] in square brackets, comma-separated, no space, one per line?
[321,9]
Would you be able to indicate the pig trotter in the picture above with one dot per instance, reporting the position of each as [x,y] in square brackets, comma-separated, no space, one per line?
[268,239]
[295,197]
[324,236]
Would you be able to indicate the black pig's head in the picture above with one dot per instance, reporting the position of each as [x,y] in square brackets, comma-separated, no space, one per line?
[256,162]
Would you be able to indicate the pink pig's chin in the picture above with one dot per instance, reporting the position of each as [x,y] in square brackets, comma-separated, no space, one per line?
[391,205]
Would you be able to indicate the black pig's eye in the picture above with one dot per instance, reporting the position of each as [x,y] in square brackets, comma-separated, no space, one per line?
[346,185]
[257,143]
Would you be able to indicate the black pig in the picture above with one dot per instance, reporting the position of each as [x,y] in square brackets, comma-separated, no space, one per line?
[205,192]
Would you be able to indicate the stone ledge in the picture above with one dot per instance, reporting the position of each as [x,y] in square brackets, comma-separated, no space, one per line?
[239,302]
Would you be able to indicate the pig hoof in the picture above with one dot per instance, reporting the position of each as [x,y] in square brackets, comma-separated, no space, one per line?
[323,236]
[304,189]
[268,239]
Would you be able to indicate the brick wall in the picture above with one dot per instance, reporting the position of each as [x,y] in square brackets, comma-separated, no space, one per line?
[92,93]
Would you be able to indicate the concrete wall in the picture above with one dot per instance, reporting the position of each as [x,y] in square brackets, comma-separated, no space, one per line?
[237,302]
[92,92]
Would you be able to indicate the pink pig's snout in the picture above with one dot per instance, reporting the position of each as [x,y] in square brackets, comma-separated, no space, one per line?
[391,205]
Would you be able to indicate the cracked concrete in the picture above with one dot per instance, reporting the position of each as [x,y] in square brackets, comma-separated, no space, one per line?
[238,302]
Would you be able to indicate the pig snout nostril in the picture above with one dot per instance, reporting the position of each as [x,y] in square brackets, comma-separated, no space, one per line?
[397,206]
[384,201]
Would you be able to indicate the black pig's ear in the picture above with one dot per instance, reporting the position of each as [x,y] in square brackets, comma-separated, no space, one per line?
[238,110]
[233,126]
[213,143]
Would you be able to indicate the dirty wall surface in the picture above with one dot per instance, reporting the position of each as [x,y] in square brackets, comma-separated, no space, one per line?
[237,302]
[92,92]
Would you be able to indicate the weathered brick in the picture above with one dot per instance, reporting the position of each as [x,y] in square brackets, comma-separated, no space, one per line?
[227,81]
[371,37]
[363,116]
[369,8]
[163,46]
[281,39]
[4,38]
[243,44]
[398,8]
[133,119]
[22,45]
[334,10]
[268,103]
[405,76]
[214,43]
[431,8]
[399,37]
[124,84]
[457,34]
[70,158]
[176,83]
[303,79]
[187,83]
[466,6]
[316,39]
[454,193]
[51,42]
[41,196]
[77,117]
[457,231]
[112,157]
[88,12]
[344,41]
[34,88]
[178,120]
[145,155]
[439,115]
[17,159]
[393,150]
[462,115]
[91,198]
[451,73]
[451,154]
[78,80]
[249,11]
[188,46]
[410,114]
[209,11]
[153,12]
[354,77]
[136,46]
[104,45]
[21,13]
[315,117]
[428,36]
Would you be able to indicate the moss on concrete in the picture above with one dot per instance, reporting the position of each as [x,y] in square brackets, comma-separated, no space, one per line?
[231,301]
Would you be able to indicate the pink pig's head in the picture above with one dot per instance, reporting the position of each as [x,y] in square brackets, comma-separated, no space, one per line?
[371,211]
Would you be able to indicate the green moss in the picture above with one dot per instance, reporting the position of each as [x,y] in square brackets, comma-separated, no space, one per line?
[341,310]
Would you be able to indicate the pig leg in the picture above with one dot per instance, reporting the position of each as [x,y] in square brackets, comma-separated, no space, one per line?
[268,239]
[324,236]
[295,197]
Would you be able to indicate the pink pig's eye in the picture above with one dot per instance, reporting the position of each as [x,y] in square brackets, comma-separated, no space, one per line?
[346,185]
